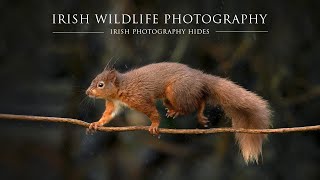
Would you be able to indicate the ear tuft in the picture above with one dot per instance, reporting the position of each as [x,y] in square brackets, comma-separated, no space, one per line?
[113,76]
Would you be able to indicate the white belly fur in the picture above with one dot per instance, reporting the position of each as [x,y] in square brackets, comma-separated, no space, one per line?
[118,105]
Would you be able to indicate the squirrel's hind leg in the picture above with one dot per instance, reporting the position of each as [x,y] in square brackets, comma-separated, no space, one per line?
[201,118]
[184,96]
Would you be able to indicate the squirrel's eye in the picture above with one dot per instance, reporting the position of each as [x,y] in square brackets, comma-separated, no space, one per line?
[100,84]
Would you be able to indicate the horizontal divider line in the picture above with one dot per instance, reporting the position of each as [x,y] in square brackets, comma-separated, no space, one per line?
[77,32]
[241,31]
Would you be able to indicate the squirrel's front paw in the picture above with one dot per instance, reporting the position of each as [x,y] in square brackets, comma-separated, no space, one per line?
[154,129]
[93,127]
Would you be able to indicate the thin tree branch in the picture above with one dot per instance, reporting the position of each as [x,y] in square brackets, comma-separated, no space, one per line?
[161,130]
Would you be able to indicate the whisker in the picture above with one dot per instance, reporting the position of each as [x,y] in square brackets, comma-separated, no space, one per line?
[107,66]
[115,62]
[85,107]
[83,100]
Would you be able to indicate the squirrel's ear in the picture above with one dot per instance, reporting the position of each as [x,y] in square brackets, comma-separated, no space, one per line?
[113,75]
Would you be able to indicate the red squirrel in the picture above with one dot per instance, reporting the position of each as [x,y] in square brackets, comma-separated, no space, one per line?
[183,90]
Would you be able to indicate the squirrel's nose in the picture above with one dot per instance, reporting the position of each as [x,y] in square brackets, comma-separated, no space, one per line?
[88,91]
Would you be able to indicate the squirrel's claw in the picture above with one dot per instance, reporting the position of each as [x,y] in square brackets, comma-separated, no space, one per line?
[89,131]
[172,113]
[93,127]
[153,129]
[203,121]
[168,112]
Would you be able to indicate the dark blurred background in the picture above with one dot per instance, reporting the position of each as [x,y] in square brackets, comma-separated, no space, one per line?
[46,74]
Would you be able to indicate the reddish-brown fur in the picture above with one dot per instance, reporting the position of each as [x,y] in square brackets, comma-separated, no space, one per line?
[183,90]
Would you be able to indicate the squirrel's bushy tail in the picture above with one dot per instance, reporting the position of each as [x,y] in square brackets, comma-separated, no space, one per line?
[246,109]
